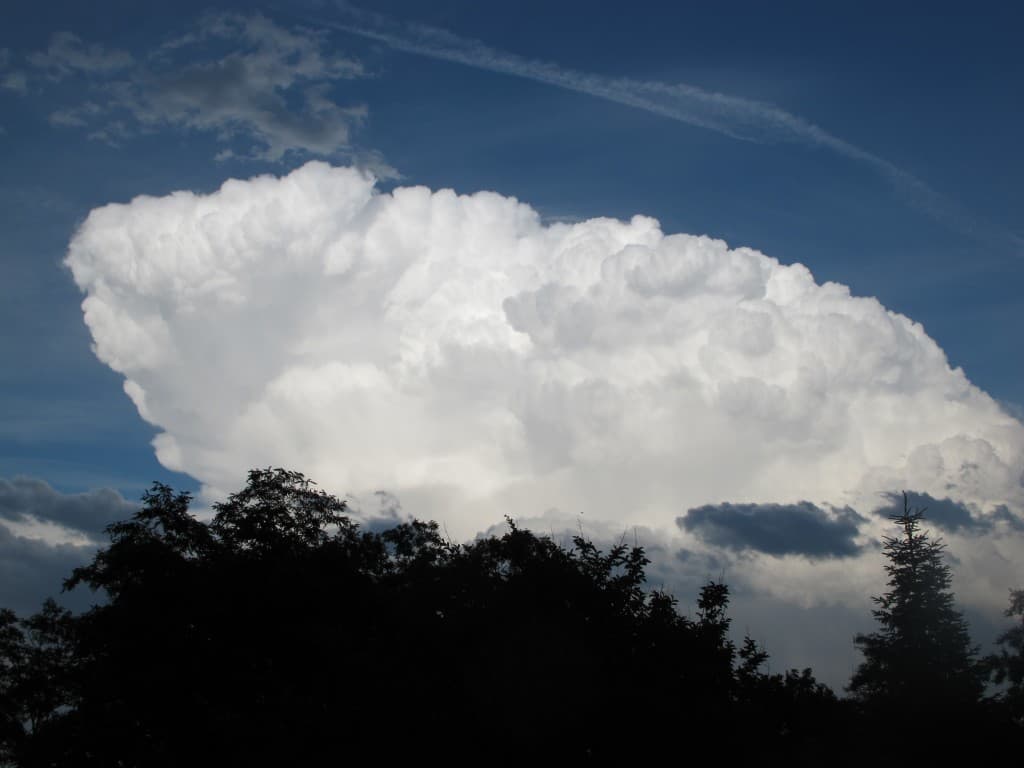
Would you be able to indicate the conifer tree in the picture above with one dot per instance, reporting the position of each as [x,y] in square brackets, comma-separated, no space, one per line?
[920,662]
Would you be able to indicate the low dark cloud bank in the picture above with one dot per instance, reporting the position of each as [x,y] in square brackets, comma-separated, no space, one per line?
[32,569]
[776,529]
[951,516]
[24,499]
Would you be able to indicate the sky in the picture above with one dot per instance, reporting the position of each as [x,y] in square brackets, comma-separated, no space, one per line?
[725,279]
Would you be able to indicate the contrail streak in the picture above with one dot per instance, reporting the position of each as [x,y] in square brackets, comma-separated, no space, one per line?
[738,118]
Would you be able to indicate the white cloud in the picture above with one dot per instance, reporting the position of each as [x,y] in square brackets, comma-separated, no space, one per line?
[462,354]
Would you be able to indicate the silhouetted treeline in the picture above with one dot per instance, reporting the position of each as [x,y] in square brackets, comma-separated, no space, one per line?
[281,633]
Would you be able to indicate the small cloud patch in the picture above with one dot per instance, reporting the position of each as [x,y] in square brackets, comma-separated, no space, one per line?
[24,499]
[949,515]
[777,529]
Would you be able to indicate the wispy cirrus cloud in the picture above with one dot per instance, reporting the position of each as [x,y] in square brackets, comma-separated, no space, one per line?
[67,53]
[252,89]
[76,117]
[14,81]
[738,118]
[11,80]
[262,89]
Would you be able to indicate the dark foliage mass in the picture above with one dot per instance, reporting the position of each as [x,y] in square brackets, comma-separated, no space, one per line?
[921,633]
[919,668]
[1007,665]
[281,633]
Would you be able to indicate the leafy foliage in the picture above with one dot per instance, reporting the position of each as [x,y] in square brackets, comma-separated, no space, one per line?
[279,632]
[37,676]
[1007,666]
[282,633]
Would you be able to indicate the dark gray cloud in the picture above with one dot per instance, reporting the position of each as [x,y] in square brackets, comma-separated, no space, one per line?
[949,515]
[32,570]
[23,499]
[1002,513]
[776,529]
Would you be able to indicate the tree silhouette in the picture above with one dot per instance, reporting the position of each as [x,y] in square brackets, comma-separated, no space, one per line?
[281,633]
[920,665]
[1007,665]
[37,678]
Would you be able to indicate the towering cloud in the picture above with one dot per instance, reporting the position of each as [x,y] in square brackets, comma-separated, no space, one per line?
[461,354]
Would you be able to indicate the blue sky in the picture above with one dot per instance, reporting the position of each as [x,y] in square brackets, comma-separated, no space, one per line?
[874,143]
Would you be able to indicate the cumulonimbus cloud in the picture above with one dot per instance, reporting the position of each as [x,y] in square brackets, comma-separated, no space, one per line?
[460,353]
